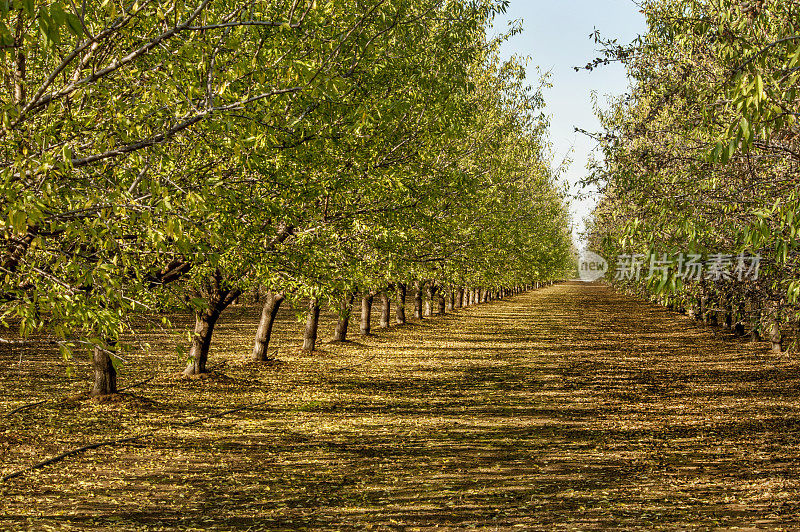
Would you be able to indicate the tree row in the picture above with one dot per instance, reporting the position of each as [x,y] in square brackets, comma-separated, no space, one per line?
[701,159]
[159,156]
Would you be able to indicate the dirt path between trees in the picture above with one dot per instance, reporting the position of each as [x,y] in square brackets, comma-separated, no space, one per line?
[567,408]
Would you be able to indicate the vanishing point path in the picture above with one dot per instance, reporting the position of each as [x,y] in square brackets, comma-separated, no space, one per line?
[567,408]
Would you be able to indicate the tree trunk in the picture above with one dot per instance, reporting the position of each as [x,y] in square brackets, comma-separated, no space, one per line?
[441,300]
[713,313]
[429,300]
[418,301]
[751,312]
[366,314]
[400,311]
[312,325]
[691,311]
[268,314]
[204,323]
[340,334]
[386,310]
[105,376]
[704,309]
[739,320]
[459,297]
[730,314]
[451,301]
[217,301]
[773,315]
[722,312]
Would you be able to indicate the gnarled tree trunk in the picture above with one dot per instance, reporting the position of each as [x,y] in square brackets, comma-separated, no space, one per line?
[105,375]
[773,318]
[722,312]
[204,323]
[366,314]
[268,314]
[386,310]
[218,299]
[751,311]
[704,308]
[739,319]
[400,298]
[418,301]
[340,333]
[431,288]
[312,325]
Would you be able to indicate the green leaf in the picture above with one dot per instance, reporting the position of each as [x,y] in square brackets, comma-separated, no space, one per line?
[18,221]
[746,131]
[760,87]
[57,16]
[74,24]
[198,303]
[66,154]
[5,35]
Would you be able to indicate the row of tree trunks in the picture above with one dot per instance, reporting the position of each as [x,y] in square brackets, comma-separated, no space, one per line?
[218,299]
[739,314]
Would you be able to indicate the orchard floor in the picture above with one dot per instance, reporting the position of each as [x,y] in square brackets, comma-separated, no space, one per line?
[567,408]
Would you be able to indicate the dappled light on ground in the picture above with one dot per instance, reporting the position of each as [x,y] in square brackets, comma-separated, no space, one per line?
[571,407]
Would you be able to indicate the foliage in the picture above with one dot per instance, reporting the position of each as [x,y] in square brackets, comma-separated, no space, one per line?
[701,156]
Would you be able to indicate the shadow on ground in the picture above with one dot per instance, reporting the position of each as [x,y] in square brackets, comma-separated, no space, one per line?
[567,408]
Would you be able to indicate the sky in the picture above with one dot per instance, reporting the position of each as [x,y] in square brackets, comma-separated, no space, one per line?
[556,37]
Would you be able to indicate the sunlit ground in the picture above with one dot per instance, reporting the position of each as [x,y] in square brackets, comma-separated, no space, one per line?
[568,408]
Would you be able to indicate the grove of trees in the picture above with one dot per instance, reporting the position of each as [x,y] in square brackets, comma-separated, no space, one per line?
[162,155]
[701,158]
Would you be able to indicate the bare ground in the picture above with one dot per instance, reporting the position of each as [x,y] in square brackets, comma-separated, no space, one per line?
[568,408]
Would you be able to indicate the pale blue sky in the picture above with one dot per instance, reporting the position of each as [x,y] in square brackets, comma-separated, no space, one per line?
[556,37]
